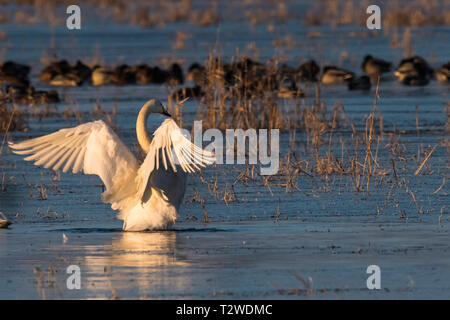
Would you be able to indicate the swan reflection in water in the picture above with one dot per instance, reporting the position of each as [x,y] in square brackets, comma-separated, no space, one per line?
[136,264]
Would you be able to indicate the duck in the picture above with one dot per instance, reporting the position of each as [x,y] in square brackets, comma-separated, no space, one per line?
[82,71]
[61,73]
[12,92]
[53,69]
[443,73]
[11,67]
[65,80]
[285,73]
[290,92]
[159,75]
[101,76]
[41,96]
[4,222]
[414,71]
[374,66]
[254,77]
[28,94]
[14,73]
[360,83]
[14,79]
[146,74]
[197,74]
[143,74]
[176,76]
[411,80]
[308,71]
[334,75]
[123,75]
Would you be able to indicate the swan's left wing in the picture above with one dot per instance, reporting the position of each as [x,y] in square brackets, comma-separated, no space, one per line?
[170,147]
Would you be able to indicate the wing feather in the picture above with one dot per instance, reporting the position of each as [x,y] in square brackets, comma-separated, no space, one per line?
[71,160]
[63,159]
[174,149]
[92,148]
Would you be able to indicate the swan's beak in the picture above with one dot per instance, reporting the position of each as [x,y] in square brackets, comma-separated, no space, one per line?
[166,113]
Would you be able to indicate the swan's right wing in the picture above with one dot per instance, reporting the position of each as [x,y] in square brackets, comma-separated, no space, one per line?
[169,148]
[92,148]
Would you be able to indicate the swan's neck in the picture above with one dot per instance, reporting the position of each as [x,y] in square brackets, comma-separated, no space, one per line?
[141,127]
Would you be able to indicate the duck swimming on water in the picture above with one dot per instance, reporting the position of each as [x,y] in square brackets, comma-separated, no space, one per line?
[414,71]
[374,66]
[443,73]
[335,75]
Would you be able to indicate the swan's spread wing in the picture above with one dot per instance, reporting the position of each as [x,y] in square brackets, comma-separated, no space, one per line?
[92,148]
[169,148]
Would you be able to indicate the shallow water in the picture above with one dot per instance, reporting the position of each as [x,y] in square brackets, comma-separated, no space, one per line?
[325,230]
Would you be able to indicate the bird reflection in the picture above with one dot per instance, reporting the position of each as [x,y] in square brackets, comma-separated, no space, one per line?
[135,261]
[139,249]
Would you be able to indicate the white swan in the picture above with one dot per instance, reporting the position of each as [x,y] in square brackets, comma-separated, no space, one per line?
[148,196]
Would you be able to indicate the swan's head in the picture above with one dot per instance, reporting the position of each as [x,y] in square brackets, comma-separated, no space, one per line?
[155,106]
[151,106]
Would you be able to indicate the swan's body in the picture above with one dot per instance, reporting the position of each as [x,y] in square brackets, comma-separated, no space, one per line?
[148,196]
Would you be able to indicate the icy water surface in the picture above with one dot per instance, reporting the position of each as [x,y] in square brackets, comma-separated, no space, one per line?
[265,241]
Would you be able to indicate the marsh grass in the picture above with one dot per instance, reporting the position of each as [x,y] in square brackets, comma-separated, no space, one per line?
[11,119]
[396,13]
[244,94]
[156,14]
[325,144]
[244,104]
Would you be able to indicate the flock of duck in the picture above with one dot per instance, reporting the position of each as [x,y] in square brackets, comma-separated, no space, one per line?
[249,75]
[15,86]
[61,73]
